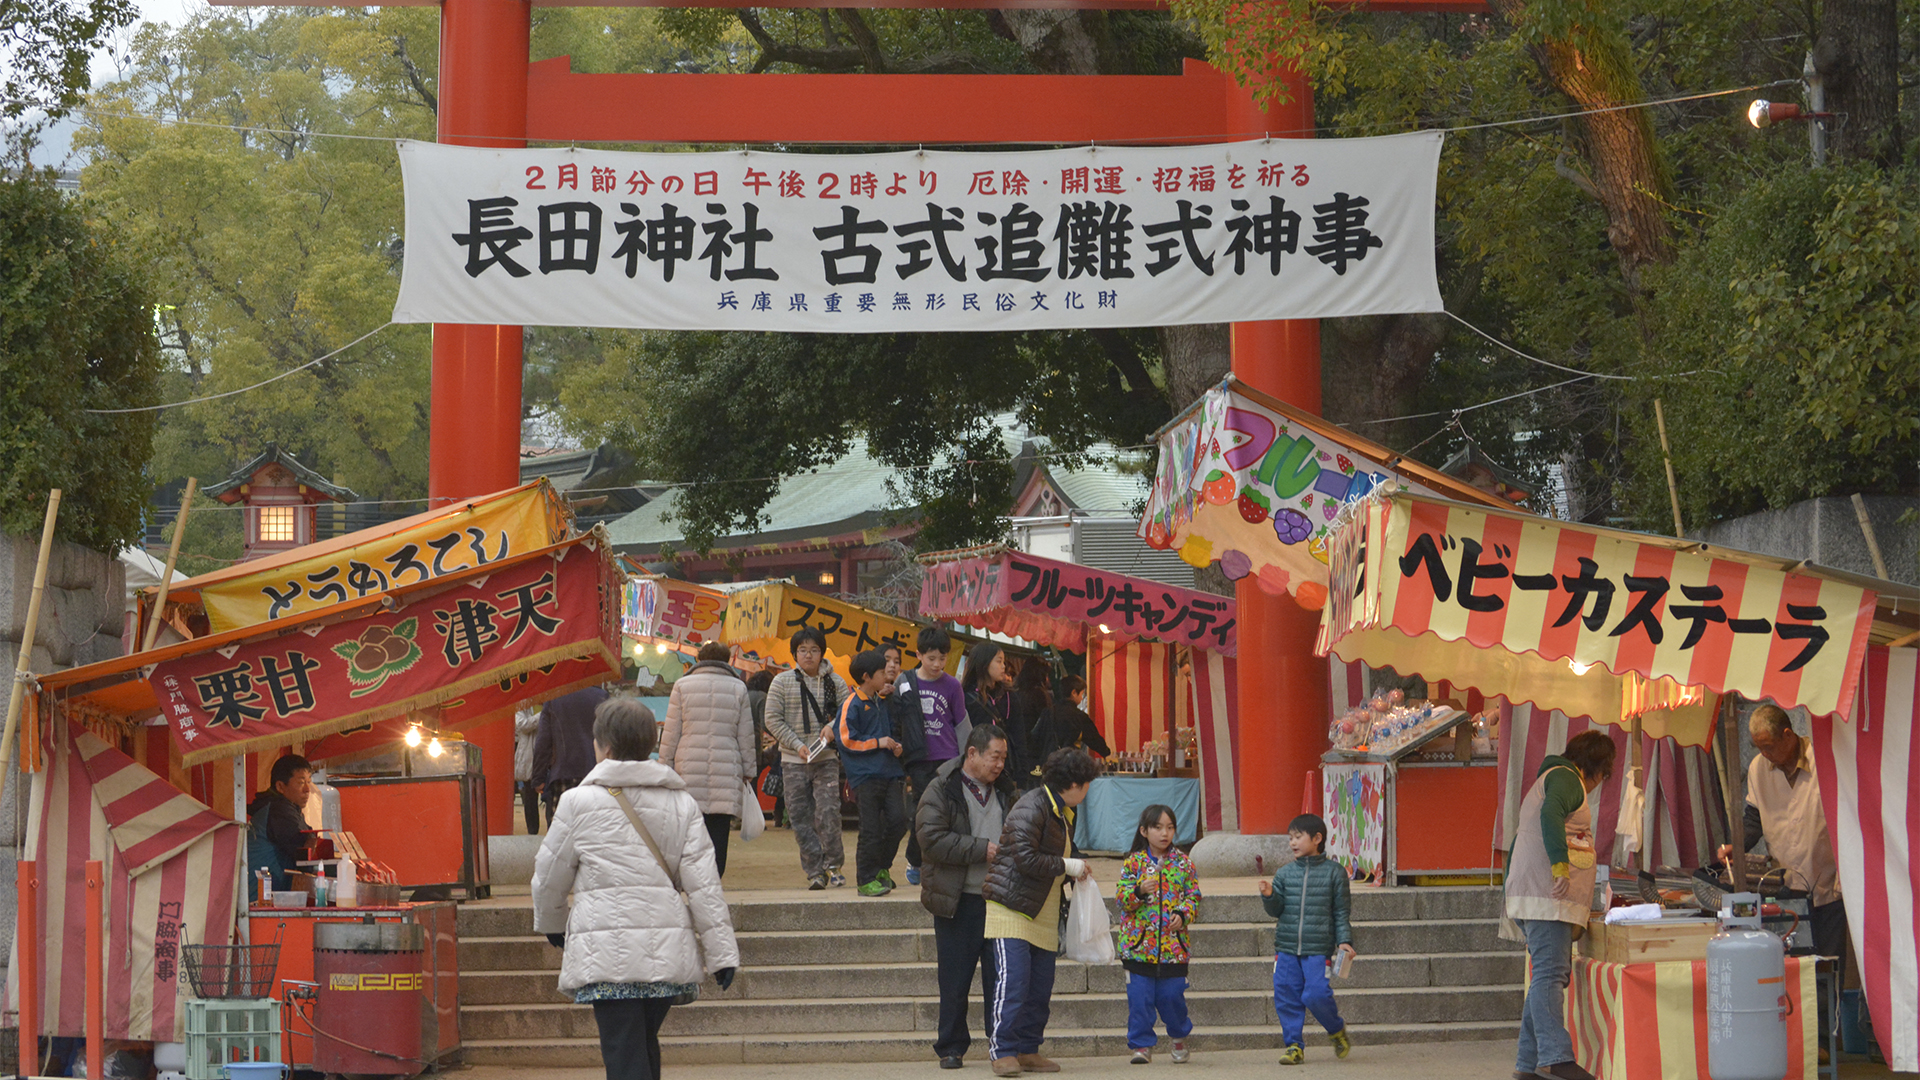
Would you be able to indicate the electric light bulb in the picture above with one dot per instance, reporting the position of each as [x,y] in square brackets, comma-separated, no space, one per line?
[663,648]
[639,648]
[1579,668]
[413,736]
[1105,629]
[434,749]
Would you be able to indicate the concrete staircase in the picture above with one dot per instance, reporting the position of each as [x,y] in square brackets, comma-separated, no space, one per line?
[851,979]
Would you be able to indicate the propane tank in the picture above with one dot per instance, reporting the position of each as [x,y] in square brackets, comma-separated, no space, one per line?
[1746,996]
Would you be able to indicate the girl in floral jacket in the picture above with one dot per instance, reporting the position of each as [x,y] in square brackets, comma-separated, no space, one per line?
[1159,896]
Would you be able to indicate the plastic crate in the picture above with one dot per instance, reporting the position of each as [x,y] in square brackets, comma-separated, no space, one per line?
[221,1030]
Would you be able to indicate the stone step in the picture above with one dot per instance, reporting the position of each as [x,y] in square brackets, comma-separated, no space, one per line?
[858,948]
[1251,973]
[584,1052]
[840,909]
[1210,1009]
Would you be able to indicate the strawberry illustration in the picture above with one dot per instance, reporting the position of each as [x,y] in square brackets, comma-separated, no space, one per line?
[1253,506]
[1346,464]
[1159,537]
[1219,488]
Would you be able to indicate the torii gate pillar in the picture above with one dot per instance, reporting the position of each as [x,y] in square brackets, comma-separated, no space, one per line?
[474,426]
[1282,686]
[474,429]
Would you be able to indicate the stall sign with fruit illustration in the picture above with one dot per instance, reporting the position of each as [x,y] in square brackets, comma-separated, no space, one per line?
[436,647]
[1242,485]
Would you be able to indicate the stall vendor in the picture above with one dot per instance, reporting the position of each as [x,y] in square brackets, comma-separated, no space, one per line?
[1783,805]
[277,840]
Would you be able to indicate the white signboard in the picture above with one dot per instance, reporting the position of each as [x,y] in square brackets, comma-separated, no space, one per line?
[920,240]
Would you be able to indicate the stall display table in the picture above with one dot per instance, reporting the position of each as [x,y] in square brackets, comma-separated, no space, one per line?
[1413,811]
[1110,816]
[293,929]
[1649,1021]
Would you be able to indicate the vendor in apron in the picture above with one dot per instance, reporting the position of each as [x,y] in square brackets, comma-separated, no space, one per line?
[1549,892]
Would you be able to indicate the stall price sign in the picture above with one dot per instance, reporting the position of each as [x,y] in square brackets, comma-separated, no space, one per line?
[1598,597]
[488,628]
[920,240]
[489,531]
[677,611]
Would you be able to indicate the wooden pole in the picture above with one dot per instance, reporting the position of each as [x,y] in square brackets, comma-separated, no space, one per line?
[96,975]
[27,938]
[1666,456]
[24,664]
[173,557]
[1873,542]
[1736,794]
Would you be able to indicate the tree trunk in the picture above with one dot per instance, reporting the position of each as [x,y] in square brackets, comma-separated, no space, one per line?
[1596,71]
[1196,358]
[1373,367]
[1858,57]
[1063,42]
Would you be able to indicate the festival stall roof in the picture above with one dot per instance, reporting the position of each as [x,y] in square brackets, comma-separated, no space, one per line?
[1253,482]
[468,645]
[452,538]
[1059,604]
[1594,621]
[761,619]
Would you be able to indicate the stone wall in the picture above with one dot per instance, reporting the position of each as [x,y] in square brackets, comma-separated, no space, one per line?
[1826,531]
[81,618]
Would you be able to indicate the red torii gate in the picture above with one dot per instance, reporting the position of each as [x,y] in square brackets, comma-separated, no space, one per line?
[491,95]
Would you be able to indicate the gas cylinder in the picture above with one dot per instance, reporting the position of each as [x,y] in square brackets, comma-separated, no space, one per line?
[1747,1003]
[372,1015]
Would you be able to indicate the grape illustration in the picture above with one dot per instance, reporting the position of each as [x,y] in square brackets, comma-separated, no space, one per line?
[1291,526]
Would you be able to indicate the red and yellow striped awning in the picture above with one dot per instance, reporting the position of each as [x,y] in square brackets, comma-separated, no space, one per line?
[1591,621]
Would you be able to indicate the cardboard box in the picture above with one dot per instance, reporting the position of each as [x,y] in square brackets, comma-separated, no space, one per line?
[1648,942]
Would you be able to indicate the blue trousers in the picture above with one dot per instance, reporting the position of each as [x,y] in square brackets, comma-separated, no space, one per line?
[1147,996]
[1543,1026]
[1299,984]
[1020,997]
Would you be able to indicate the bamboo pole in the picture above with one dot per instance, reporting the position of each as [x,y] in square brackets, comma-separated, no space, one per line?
[173,556]
[1666,456]
[24,664]
[1873,542]
[1736,794]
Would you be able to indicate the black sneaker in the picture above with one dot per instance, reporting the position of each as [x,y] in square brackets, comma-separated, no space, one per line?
[817,882]
[1563,1070]
[951,1063]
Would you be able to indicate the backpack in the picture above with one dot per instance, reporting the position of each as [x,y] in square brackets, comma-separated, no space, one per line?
[909,722]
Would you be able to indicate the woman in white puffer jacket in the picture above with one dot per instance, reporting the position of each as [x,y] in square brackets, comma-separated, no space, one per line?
[709,740]
[632,946]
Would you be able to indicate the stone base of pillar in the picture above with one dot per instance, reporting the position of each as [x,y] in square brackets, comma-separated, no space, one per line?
[1231,854]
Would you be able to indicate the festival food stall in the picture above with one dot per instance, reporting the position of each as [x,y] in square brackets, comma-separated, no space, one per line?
[760,620]
[1255,485]
[1134,633]
[1612,626]
[417,663]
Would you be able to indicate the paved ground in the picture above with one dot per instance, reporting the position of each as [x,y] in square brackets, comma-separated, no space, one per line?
[1442,1061]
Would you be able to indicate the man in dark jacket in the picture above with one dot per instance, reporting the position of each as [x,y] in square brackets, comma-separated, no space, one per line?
[278,819]
[563,748]
[958,824]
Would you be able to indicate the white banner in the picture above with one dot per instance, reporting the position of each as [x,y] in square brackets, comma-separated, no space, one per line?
[920,241]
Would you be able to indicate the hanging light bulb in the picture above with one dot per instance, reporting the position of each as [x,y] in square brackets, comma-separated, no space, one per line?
[639,648]
[663,648]
[413,735]
[434,749]
[1105,629]
[1579,668]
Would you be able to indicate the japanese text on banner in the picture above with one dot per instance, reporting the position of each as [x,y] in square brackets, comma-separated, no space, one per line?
[931,240]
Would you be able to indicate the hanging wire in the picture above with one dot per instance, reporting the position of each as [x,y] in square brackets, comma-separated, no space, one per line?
[244,389]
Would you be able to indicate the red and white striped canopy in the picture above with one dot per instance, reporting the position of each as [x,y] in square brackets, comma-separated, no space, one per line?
[172,868]
[1533,608]
[1867,773]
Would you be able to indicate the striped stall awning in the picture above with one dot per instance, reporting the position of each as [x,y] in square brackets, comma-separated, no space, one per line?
[172,867]
[1867,773]
[1590,621]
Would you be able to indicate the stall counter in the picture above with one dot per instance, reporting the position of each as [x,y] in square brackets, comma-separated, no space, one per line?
[293,929]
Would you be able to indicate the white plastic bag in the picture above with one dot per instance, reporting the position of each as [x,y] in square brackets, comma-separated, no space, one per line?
[1089,934]
[753,821]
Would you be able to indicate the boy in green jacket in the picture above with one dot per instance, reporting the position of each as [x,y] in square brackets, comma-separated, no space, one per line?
[1309,900]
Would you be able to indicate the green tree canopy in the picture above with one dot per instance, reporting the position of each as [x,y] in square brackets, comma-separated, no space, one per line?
[76,334]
